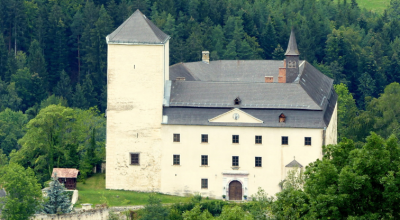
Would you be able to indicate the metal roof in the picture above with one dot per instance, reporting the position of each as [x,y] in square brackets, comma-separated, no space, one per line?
[294,163]
[292,46]
[137,29]
[252,95]
[269,117]
[227,70]
[65,172]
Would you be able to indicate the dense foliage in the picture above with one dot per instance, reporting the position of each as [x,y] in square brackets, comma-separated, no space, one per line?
[23,192]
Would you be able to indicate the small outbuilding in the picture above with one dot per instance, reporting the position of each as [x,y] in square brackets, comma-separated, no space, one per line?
[66,176]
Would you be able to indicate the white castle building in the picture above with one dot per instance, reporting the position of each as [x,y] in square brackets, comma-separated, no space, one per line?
[218,128]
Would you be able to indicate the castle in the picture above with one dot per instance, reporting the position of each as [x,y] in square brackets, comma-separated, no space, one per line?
[218,128]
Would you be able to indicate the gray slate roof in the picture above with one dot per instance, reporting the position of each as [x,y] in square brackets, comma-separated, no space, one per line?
[294,163]
[227,70]
[252,95]
[292,46]
[270,117]
[137,29]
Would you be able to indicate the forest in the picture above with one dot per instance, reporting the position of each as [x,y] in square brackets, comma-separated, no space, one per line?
[53,64]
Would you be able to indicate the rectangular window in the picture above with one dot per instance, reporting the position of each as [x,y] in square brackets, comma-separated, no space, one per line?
[258,139]
[285,140]
[204,160]
[258,162]
[177,159]
[307,141]
[204,138]
[235,139]
[134,159]
[177,137]
[204,183]
[235,161]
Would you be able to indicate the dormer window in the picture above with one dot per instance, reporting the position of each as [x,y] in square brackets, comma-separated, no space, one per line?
[237,101]
[282,118]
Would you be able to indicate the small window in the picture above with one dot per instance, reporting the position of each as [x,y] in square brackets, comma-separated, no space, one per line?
[177,159]
[235,161]
[258,139]
[134,159]
[307,141]
[237,101]
[204,160]
[177,137]
[204,138]
[204,183]
[258,161]
[235,139]
[285,140]
[282,118]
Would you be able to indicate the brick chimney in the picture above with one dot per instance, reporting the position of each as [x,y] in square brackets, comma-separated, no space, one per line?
[269,79]
[282,75]
[206,57]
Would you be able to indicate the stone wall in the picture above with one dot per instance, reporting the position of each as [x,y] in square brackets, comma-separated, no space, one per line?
[93,214]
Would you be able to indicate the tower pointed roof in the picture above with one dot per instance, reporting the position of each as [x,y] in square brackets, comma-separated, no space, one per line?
[292,46]
[137,29]
[294,163]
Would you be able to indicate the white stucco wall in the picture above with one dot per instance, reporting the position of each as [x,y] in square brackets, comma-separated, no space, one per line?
[186,178]
[135,83]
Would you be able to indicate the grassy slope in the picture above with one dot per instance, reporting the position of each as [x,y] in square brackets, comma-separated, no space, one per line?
[94,189]
[374,5]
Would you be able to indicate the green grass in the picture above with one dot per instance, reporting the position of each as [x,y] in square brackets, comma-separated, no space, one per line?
[94,190]
[377,6]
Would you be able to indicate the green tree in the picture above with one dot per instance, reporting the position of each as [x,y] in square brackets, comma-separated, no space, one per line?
[58,202]
[23,192]
[230,53]
[78,98]
[90,94]
[11,129]
[154,209]
[3,58]
[48,135]
[63,87]
[36,62]
[346,111]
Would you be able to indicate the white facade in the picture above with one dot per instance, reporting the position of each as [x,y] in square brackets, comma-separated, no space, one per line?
[137,75]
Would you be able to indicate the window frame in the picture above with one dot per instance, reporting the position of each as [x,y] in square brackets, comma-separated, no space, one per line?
[204,160]
[285,140]
[138,158]
[235,161]
[258,163]
[204,138]
[235,139]
[176,159]
[204,183]
[307,142]
[260,139]
[176,137]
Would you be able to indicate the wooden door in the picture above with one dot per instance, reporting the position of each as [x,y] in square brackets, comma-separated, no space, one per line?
[235,190]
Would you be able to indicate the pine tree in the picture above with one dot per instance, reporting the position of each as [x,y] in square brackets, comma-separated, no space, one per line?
[3,58]
[279,53]
[63,87]
[12,66]
[36,62]
[78,99]
[88,91]
[58,202]
[245,52]
[230,53]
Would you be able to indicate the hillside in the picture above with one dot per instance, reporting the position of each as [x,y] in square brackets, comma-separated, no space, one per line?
[377,6]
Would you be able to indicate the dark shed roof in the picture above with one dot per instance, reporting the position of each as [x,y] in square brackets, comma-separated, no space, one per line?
[137,29]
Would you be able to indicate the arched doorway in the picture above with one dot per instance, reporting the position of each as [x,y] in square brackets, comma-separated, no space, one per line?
[235,190]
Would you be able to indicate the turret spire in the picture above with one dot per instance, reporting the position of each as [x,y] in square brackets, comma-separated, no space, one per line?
[292,46]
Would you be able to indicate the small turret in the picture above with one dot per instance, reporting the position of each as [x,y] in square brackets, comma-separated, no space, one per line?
[292,59]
